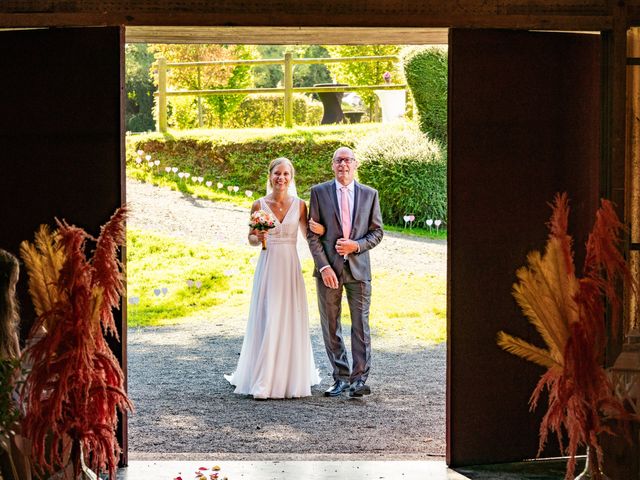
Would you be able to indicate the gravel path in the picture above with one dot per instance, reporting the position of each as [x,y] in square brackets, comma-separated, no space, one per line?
[182,216]
[184,405]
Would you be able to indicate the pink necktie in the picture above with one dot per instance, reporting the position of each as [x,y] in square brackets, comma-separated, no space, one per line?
[345,215]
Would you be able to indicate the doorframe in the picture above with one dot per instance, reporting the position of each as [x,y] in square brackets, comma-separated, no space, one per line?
[614,102]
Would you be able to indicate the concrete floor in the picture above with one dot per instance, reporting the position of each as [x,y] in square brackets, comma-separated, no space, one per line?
[546,469]
[344,470]
[292,470]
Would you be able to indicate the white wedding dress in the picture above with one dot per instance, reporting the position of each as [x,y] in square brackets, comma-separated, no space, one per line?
[276,360]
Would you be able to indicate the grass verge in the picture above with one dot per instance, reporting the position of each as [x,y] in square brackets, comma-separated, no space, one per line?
[431,233]
[170,280]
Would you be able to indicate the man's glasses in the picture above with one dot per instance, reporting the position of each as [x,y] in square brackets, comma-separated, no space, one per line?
[344,160]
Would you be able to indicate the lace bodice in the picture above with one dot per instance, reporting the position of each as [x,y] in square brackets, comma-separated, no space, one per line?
[286,231]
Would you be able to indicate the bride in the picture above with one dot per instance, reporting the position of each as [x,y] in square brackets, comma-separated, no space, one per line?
[276,360]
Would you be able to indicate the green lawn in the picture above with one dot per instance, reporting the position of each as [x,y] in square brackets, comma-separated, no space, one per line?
[439,234]
[174,280]
[196,277]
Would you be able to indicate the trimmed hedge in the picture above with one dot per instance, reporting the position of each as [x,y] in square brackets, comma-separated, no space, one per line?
[409,171]
[241,157]
[426,70]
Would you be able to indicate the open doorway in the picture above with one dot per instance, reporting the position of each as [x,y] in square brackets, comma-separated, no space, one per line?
[478,411]
[184,405]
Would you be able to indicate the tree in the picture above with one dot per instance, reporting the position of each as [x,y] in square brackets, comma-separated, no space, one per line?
[139,87]
[307,75]
[209,77]
[240,77]
[364,73]
[268,76]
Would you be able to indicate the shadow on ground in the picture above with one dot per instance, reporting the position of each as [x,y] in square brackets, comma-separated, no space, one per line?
[184,404]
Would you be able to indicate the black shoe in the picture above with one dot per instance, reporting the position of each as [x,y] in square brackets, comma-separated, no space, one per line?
[337,388]
[359,389]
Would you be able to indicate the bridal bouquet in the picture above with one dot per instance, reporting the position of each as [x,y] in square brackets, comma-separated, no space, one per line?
[261,220]
[569,313]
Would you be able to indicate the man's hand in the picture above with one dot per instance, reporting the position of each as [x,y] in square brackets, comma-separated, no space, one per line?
[329,278]
[345,246]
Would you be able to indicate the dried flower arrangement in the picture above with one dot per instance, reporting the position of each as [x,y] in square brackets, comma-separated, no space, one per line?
[9,416]
[569,313]
[75,384]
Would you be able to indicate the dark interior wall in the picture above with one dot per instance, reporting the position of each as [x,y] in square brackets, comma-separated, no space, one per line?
[582,93]
[524,123]
[62,141]
[60,131]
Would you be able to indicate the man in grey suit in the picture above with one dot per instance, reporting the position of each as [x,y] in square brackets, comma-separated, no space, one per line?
[350,213]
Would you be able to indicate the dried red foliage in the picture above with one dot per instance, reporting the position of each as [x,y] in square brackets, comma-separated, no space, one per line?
[75,385]
[580,393]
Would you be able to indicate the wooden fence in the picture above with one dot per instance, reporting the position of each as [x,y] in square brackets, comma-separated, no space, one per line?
[288,63]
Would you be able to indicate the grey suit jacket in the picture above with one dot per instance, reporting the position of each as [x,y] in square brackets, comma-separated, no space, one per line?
[366,228]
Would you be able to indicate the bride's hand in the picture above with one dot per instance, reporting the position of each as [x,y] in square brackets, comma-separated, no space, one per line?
[260,234]
[316,227]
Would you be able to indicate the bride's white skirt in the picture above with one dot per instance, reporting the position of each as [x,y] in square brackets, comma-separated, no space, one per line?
[276,360]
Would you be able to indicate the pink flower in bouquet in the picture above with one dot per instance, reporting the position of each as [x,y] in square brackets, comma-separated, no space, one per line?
[387,77]
[261,220]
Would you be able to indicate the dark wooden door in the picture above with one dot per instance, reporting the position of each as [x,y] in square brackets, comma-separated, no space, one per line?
[61,136]
[524,123]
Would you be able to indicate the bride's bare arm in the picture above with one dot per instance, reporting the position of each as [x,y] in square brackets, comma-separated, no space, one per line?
[314,226]
[303,218]
[254,238]
[311,224]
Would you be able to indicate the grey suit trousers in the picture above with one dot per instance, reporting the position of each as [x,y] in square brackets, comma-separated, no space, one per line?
[330,305]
